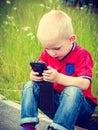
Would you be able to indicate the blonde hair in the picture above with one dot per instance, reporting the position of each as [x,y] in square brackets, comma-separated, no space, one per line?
[54,25]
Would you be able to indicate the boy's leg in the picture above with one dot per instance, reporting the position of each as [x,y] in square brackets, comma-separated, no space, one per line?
[71,102]
[30,103]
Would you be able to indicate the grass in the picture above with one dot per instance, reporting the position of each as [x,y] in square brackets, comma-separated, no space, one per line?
[19,45]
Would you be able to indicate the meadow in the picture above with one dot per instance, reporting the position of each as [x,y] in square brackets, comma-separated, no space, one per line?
[19,44]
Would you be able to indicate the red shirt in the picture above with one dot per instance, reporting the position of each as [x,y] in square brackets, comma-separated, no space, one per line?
[77,63]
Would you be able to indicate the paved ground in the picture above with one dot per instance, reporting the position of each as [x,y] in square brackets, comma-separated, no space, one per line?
[10,116]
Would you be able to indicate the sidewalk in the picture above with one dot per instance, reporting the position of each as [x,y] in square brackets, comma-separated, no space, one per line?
[10,116]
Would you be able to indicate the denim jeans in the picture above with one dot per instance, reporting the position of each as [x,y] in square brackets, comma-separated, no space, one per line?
[71,107]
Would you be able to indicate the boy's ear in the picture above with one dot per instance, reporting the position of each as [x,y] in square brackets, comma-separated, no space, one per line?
[72,38]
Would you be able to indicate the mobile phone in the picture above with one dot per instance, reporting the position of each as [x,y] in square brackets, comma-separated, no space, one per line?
[46,97]
[38,66]
[46,88]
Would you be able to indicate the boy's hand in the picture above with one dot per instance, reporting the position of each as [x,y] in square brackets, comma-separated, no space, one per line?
[50,75]
[34,76]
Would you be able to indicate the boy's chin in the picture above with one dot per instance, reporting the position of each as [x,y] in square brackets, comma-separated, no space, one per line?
[59,58]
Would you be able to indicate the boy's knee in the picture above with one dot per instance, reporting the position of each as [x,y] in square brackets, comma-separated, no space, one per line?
[30,87]
[27,85]
[72,91]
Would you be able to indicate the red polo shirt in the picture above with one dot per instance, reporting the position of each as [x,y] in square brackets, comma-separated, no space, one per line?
[77,63]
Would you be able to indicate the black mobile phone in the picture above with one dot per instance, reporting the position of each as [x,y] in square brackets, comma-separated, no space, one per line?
[38,66]
[46,88]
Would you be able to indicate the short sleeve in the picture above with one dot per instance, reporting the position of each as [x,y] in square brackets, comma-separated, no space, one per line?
[84,64]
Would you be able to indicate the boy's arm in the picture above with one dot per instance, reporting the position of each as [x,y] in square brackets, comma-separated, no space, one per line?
[52,75]
[80,82]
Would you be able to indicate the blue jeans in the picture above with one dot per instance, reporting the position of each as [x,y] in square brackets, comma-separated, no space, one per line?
[71,107]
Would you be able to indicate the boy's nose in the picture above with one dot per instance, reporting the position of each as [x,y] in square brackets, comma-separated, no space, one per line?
[52,53]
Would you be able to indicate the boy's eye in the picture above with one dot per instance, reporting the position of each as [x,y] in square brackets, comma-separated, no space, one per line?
[56,48]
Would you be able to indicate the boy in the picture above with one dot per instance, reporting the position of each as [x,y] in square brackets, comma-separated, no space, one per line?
[70,71]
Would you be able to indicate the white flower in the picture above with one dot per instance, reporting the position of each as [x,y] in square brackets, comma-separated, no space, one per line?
[26,28]
[8,2]
[10,17]
[14,8]
[42,5]
[30,34]
[6,23]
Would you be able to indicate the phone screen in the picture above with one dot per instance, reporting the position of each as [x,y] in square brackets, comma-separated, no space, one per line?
[38,67]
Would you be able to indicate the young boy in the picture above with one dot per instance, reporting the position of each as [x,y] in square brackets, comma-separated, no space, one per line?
[70,71]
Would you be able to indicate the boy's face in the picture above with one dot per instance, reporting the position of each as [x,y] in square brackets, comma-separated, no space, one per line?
[58,49]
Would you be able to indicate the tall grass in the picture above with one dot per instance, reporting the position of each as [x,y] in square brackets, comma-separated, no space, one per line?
[19,44]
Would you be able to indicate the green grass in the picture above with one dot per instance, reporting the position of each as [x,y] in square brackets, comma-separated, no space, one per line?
[19,45]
